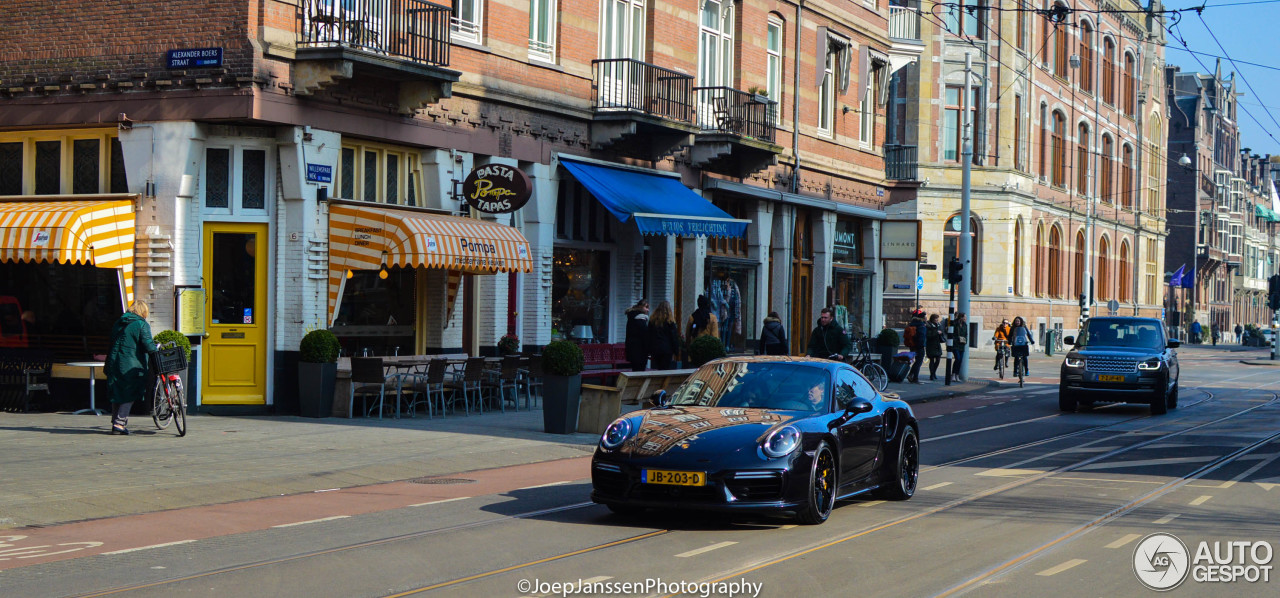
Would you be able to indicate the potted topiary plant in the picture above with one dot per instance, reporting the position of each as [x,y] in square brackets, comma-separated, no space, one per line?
[705,348]
[887,344]
[509,344]
[317,373]
[562,363]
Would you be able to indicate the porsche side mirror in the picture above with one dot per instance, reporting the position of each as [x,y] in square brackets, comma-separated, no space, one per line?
[660,399]
[1174,344]
[858,405]
[1069,340]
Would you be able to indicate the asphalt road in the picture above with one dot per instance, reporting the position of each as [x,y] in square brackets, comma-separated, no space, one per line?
[1015,499]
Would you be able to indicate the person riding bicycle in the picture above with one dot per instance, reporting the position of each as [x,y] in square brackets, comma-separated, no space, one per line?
[1021,339]
[1001,339]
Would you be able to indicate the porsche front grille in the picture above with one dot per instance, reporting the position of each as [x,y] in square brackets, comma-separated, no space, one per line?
[756,485]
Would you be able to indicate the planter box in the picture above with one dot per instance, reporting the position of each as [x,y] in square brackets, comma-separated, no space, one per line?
[560,397]
[315,388]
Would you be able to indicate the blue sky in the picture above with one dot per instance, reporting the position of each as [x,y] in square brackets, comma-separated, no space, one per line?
[1247,33]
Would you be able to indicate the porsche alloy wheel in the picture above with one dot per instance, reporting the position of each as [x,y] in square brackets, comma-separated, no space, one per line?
[822,487]
[904,472]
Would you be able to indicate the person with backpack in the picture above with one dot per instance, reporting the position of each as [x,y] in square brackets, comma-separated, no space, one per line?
[701,322]
[773,337]
[934,338]
[914,338]
[1021,339]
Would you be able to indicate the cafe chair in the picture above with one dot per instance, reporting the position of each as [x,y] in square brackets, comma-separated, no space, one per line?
[431,386]
[368,378]
[530,378]
[507,378]
[471,383]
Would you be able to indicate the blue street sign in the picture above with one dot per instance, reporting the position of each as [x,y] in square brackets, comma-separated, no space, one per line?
[920,283]
[319,173]
[194,57]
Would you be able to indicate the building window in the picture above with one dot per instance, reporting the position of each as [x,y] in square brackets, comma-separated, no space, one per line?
[61,163]
[1108,71]
[1019,129]
[1108,167]
[622,29]
[1021,40]
[1086,57]
[466,21]
[1059,150]
[1151,287]
[1102,276]
[1017,257]
[542,30]
[773,53]
[1126,177]
[1077,273]
[1044,142]
[827,96]
[1055,262]
[1155,162]
[1060,52]
[235,179]
[1038,263]
[1082,159]
[1126,273]
[1130,98]
[952,133]
[715,52]
[951,249]
[966,17]
[380,173]
[217,176]
[867,107]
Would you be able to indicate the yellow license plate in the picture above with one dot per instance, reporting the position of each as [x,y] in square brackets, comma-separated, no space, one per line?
[675,478]
[1110,378]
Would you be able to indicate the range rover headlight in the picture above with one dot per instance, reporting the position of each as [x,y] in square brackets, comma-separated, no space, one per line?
[1150,365]
[781,442]
[1074,362]
[616,434]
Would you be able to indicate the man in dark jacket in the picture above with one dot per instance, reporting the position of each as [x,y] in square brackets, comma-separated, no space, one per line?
[828,338]
[637,337]
[916,339]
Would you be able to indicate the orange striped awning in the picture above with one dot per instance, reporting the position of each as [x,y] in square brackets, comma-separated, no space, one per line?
[78,230]
[367,237]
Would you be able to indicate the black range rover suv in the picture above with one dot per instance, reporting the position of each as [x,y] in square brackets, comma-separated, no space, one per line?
[1120,360]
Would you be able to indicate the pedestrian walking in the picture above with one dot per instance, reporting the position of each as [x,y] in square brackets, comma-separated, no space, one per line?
[933,341]
[129,348]
[828,339]
[959,343]
[637,343]
[914,339]
[773,337]
[1238,338]
[1215,333]
[663,337]
[700,323]
[1195,332]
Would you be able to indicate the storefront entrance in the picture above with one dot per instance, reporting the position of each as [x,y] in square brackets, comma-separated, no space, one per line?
[235,352]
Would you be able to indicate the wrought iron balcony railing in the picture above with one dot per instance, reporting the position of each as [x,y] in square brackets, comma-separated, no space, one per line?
[628,85]
[904,22]
[414,30]
[900,162]
[727,110]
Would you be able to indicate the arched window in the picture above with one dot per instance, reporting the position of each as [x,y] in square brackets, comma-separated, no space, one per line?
[1060,51]
[951,248]
[1126,273]
[1107,168]
[1082,158]
[1055,262]
[1044,141]
[1155,190]
[1077,272]
[1126,177]
[1018,256]
[1109,71]
[1086,57]
[1102,277]
[1037,263]
[1130,98]
[1059,150]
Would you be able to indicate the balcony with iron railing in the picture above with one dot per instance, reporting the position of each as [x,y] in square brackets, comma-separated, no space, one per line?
[640,109]
[737,131]
[900,162]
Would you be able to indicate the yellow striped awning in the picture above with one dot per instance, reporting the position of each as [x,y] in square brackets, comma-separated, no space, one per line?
[78,229]
[366,237]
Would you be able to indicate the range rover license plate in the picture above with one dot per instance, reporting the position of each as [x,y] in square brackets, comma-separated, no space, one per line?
[674,478]
[1106,378]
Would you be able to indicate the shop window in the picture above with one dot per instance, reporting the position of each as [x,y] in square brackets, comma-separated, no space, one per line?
[731,289]
[853,301]
[66,308]
[848,242]
[580,302]
[379,173]
[379,312]
[235,179]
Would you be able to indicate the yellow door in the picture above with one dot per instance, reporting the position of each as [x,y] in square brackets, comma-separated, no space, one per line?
[235,352]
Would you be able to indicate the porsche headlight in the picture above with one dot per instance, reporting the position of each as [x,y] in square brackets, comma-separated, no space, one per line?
[1074,362]
[781,442]
[616,434]
[1150,365]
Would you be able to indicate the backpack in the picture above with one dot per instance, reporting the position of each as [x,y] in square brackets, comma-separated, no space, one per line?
[909,335]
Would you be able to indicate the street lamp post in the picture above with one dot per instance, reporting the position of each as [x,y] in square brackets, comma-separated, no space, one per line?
[1086,278]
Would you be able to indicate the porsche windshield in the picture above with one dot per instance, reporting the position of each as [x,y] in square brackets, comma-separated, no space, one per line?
[792,386]
[1138,334]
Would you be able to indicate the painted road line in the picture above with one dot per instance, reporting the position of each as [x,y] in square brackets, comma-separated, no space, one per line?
[1004,391]
[1122,540]
[960,411]
[1012,400]
[150,547]
[1043,392]
[872,503]
[1007,473]
[788,526]
[698,551]
[936,486]
[436,502]
[312,521]
[1147,463]
[1199,501]
[980,407]
[935,416]
[1166,518]
[1060,568]
[546,485]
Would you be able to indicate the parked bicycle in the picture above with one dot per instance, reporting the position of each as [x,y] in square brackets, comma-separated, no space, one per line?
[869,368]
[168,400]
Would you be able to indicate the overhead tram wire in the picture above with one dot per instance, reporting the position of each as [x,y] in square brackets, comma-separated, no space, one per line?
[1237,67]
[1183,41]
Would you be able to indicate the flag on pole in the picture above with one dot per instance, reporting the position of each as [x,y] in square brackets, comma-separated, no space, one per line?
[1176,280]
[1189,279]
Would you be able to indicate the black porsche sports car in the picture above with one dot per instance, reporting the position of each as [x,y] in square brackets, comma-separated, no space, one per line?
[780,435]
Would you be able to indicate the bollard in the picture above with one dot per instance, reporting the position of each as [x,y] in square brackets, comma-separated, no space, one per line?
[1049,341]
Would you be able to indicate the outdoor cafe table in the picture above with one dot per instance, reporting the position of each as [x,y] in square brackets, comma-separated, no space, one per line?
[92,365]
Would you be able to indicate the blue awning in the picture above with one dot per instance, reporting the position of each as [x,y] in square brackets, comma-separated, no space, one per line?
[660,205]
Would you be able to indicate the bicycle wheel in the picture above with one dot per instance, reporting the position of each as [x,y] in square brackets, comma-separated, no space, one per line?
[161,414]
[178,403]
[1000,366]
[876,375]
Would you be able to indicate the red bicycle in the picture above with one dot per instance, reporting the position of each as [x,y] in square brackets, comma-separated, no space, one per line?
[168,401]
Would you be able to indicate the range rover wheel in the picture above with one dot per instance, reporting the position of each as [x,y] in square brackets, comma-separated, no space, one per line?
[1066,398]
[1173,397]
[1160,401]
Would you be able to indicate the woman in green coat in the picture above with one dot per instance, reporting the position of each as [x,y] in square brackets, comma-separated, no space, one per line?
[126,368]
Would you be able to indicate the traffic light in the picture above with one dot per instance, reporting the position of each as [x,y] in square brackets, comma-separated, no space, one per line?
[955,271]
[1273,295]
[1082,300]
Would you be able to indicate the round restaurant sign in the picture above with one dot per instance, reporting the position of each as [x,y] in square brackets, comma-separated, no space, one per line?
[497,188]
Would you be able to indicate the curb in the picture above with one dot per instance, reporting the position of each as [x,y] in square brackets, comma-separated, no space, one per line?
[1267,363]
[946,393]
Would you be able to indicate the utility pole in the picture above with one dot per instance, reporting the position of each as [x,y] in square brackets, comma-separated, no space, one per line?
[966,246]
